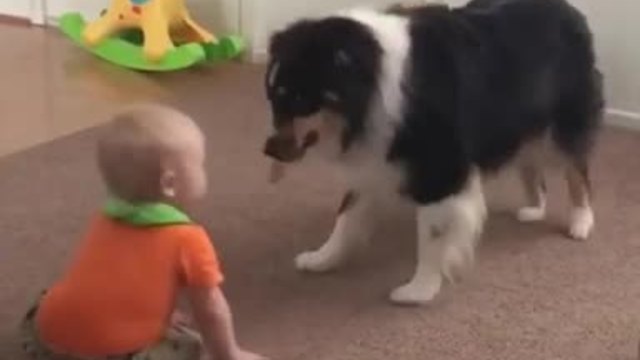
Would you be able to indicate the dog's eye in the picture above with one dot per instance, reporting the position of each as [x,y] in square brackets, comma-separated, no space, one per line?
[281,91]
[331,96]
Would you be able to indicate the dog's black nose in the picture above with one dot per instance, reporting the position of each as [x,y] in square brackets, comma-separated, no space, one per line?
[282,148]
[272,148]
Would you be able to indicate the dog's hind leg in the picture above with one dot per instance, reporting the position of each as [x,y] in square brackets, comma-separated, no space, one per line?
[447,235]
[582,218]
[578,118]
[532,178]
[352,226]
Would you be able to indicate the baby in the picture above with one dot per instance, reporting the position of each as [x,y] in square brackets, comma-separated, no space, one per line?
[117,298]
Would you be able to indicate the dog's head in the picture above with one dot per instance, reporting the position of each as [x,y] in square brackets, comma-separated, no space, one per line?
[319,81]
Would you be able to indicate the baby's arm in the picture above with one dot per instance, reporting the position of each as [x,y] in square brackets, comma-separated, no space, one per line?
[215,321]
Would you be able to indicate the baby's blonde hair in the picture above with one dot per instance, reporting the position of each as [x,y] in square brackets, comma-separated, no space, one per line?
[135,145]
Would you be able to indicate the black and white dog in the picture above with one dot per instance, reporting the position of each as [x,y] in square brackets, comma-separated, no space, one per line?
[422,103]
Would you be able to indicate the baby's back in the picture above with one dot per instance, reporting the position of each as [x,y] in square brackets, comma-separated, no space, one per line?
[120,289]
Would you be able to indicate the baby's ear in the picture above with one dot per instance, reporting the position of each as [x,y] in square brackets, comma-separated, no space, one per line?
[168,184]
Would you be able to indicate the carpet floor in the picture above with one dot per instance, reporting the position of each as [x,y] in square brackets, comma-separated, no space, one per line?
[534,294]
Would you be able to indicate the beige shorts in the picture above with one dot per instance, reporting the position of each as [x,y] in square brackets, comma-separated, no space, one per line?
[179,343]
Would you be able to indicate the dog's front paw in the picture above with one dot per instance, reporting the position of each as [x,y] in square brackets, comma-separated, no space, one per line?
[531,213]
[582,221]
[417,292]
[316,261]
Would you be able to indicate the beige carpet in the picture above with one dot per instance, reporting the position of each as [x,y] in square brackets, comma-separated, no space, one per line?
[535,295]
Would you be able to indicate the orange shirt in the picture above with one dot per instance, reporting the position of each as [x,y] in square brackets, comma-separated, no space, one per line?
[119,293]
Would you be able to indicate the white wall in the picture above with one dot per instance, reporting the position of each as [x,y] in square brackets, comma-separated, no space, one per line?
[20,8]
[89,8]
[616,26]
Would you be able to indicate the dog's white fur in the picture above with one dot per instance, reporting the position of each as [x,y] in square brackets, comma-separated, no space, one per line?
[391,32]
[582,222]
[540,155]
[459,219]
[351,227]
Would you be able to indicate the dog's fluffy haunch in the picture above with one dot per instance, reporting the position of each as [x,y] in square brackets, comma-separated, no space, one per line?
[424,101]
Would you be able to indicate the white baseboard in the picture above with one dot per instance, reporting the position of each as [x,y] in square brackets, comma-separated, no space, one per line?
[259,56]
[53,21]
[623,119]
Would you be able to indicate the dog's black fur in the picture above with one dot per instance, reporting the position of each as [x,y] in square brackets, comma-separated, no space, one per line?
[480,81]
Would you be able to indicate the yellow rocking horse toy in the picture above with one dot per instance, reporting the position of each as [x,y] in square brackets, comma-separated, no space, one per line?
[152,35]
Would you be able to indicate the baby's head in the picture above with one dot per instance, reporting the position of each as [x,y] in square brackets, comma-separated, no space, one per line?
[152,153]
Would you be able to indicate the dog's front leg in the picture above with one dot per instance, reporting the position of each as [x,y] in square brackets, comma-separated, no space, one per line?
[352,226]
[447,235]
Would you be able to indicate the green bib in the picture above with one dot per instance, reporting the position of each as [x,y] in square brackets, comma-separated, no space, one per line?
[144,214]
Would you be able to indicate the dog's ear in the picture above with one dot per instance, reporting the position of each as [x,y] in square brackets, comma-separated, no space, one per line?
[275,43]
[292,37]
[272,73]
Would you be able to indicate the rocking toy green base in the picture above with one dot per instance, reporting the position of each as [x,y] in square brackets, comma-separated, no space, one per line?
[126,50]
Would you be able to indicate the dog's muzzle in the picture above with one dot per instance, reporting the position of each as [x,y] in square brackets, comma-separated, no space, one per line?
[283,145]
